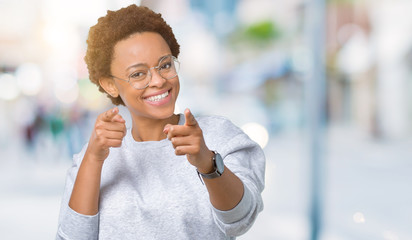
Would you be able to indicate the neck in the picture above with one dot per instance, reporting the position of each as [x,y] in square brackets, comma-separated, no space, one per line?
[145,129]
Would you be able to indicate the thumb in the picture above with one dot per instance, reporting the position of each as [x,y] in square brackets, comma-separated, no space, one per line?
[189,118]
[166,128]
[110,114]
[118,118]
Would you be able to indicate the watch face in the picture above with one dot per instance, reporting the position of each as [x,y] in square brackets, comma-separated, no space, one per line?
[219,163]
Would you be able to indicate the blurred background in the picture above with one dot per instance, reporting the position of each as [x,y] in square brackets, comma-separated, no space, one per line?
[338,143]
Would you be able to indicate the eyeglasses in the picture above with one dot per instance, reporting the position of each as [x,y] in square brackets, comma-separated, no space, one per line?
[167,68]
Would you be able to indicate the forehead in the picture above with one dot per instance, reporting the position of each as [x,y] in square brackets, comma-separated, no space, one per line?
[144,47]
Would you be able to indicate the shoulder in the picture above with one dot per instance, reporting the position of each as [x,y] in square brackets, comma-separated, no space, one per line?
[115,152]
[218,124]
[219,132]
[78,157]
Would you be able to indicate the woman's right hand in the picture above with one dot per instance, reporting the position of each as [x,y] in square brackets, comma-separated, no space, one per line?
[108,131]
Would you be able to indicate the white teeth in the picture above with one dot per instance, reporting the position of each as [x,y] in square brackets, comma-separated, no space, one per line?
[158,97]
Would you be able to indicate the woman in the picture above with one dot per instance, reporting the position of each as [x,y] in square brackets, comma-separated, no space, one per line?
[143,182]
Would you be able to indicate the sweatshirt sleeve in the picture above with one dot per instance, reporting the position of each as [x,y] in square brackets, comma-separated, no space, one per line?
[245,158]
[73,225]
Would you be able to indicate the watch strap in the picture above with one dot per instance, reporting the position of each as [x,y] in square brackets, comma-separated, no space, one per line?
[213,174]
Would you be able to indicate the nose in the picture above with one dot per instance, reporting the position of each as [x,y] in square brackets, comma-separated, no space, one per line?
[157,80]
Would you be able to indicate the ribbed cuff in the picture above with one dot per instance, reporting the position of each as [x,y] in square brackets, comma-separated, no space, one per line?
[79,226]
[239,212]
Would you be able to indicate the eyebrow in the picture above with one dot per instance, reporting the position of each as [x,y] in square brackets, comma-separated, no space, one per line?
[143,64]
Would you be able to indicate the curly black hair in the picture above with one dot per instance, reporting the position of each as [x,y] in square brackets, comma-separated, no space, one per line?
[116,26]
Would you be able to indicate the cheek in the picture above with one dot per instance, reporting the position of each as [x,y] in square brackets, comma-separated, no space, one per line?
[128,93]
[177,86]
[119,86]
[120,90]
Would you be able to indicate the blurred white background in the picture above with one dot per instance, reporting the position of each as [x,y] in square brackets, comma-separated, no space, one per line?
[243,59]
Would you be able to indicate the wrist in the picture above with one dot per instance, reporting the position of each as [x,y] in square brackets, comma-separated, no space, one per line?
[94,159]
[96,151]
[207,166]
[218,167]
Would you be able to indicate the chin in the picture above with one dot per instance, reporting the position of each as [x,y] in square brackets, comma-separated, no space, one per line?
[158,114]
[167,114]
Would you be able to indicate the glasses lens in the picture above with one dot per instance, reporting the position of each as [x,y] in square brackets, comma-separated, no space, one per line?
[140,78]
[168,67]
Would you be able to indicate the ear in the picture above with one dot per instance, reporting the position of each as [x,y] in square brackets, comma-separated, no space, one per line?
[109,86]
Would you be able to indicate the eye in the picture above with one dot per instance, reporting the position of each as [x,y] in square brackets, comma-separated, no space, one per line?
[165,66]
[138,75]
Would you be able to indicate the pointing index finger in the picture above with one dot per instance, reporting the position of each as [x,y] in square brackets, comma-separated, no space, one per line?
[110,114]
[189,118]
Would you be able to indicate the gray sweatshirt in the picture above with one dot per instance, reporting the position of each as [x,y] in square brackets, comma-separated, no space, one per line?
[147,192]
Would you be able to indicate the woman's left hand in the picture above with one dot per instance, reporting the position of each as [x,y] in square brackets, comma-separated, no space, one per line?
[188,140]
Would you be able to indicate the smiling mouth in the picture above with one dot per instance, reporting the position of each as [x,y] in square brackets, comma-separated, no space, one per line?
[158,97]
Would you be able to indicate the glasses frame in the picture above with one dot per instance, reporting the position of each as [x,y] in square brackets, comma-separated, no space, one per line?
[150,73]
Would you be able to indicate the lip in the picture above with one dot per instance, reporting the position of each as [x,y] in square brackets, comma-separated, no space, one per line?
[161,102]
[156,93]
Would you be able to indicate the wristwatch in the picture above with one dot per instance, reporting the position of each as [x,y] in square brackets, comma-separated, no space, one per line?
[218,166]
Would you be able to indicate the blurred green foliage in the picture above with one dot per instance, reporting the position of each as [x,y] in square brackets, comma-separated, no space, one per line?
[262,31]
[257,34]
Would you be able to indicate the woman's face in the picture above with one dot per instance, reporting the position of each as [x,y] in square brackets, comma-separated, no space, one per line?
[146,49]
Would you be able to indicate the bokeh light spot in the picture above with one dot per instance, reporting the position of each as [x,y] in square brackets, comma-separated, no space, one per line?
[358,217]
[67,96]
[257,133]
[9,89]
[29,79]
